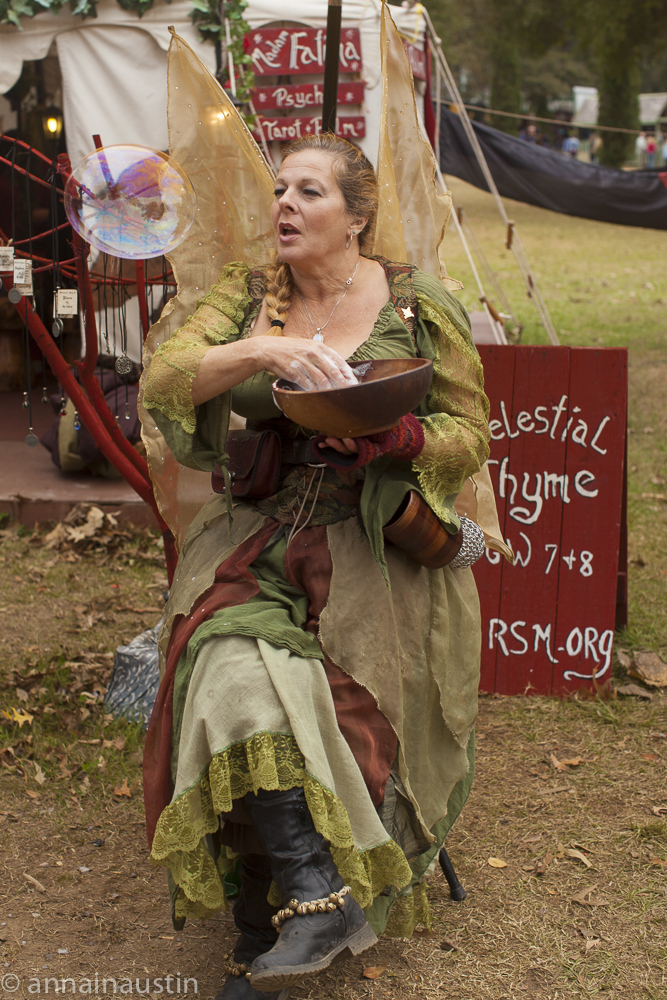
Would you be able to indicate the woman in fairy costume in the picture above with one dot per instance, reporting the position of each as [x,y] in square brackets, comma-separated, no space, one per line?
[315,716]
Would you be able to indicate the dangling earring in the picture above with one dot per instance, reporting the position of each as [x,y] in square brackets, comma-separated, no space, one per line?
[353,232]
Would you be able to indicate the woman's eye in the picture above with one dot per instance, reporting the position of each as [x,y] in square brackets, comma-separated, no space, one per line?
[311,191]
[278,192]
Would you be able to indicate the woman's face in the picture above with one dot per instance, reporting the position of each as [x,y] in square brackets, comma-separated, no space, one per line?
[308,212]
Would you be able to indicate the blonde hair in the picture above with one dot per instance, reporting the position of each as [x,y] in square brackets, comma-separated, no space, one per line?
[358,185]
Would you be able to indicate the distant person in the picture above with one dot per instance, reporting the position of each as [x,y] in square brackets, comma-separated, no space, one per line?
[641,145]
[571,146]
[664,151]
[651,146]
[596,146]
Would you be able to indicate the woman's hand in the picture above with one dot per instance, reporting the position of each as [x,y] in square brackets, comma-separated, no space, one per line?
[312,365]
[346,446]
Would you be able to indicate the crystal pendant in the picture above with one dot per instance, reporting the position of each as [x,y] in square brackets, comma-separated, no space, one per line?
[123,365]
[318,337]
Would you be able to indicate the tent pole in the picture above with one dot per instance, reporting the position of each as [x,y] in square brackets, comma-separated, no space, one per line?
[331,60]
[532,288]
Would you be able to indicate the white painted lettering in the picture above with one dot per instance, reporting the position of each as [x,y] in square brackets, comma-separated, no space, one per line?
[502,628]
[602,451]
[590,637]
[558,410]
[492,556]
[550,480]
[542,420]
[523,419]
[503,412]
[579,433]
[495,425]
[575,636]
[519,638]
[519,559]
[581,479]
[522,514]
[545,635]
[504,475]
[566,429]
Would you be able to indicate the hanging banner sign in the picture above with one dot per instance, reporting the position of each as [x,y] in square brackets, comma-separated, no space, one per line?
[286,129]
[300,50]
[305,95]
[417,60]
[558,419]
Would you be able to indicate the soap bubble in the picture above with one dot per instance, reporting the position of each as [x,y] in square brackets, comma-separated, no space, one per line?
[130,201]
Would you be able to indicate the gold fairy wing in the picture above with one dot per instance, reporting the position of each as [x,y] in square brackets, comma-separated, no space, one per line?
[234,188]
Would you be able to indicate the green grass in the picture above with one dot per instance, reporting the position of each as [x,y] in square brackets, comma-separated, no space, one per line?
[604,285]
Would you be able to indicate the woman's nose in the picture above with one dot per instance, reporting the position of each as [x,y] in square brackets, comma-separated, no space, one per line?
[285,201]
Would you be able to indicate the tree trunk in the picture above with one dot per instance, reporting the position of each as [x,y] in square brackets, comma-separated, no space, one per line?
[619,102]
[505,79]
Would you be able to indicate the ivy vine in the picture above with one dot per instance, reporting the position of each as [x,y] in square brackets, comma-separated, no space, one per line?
[208,15]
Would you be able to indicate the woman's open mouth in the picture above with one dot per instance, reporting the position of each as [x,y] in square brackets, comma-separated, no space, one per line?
[287,232]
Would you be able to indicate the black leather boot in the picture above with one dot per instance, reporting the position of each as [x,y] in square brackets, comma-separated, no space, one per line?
[252,916]
[304,871]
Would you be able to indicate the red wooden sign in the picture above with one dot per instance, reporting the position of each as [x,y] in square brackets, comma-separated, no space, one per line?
[417,60]
[301,96]
[286,129]
[300,50]
[558,418]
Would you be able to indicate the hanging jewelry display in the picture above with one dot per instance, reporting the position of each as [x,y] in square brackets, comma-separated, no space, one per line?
[123,363]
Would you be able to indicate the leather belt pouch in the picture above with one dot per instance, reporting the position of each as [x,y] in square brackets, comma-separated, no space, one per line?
[255,458]
[415,529]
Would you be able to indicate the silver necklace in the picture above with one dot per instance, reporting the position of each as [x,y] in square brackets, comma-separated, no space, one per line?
[318,335]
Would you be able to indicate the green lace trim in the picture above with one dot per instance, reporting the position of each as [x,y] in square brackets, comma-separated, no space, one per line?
[270,761]
[409,909]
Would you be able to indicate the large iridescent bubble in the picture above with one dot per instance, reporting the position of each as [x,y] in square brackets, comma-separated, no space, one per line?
[130,201]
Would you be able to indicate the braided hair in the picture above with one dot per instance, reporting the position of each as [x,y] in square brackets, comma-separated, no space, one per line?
[358,184]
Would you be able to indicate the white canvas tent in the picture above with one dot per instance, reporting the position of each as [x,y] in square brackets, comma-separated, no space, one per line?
[114,66]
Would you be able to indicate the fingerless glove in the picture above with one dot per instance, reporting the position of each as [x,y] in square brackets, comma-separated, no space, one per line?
[405,441]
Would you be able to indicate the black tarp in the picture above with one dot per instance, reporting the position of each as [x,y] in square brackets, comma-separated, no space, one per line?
[549,179]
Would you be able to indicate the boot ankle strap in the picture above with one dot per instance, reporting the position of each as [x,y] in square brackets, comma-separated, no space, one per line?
[334,901]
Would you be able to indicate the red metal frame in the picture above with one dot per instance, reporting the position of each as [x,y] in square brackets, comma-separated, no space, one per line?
[86,391]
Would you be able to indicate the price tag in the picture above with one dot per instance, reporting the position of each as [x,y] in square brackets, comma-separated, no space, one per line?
[67,302]
[23,276]
[6,258]
[19,272]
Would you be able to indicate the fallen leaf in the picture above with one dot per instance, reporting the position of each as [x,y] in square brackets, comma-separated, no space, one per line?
[555,790]
[448,945]
[578,855]
[633,691]
[116,744]
[581,899]
[497,863]
[32,795]
[374,971]
[532,839]
[653,757]
[90,742]
[558,764]
[22,694]
[33,881]
[659,810]
[544,864]
[123,790]
[574,762]
[591,944]
[18,716]
[650,668]
[40,777]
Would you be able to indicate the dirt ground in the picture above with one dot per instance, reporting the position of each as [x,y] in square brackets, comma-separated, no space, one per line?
[570,798]
[570,802]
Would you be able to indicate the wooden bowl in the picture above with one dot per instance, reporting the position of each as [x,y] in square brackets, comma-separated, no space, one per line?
[389,388]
